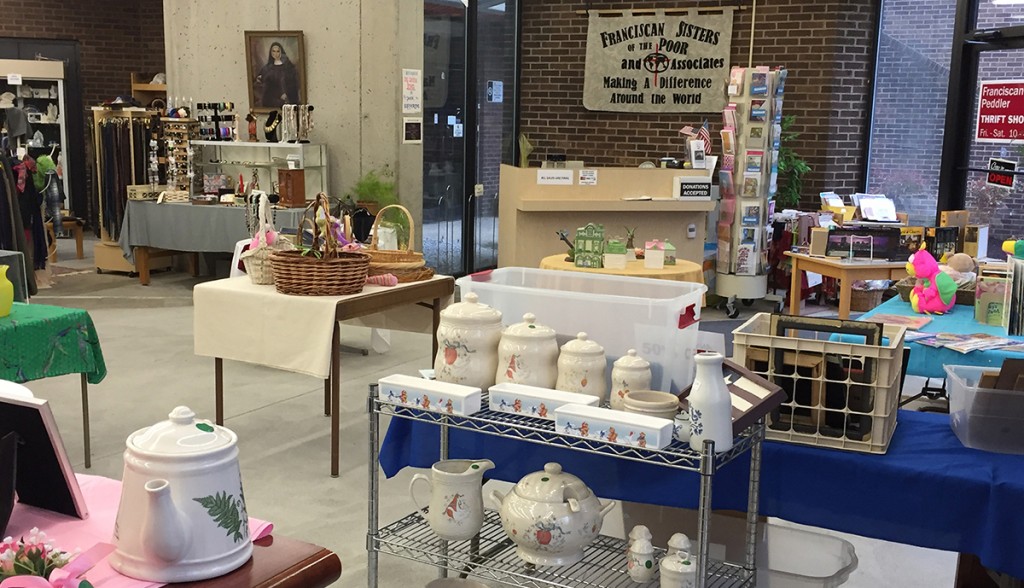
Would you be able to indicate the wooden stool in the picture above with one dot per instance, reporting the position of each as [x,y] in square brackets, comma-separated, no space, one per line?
[76,225]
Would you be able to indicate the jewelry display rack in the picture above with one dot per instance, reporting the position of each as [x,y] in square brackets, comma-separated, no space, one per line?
[491,556]
[178,135]
[265,159]
[217,121]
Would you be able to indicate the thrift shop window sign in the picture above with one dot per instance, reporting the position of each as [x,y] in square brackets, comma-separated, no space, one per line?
[658,63]
[1001,173]
[1001,112]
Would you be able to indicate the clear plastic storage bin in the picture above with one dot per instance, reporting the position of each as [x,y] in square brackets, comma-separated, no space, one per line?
[794,558]
[658,318]
[983,418]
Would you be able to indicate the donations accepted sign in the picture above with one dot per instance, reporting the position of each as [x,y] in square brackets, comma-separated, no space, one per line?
[658,63]
[1001,112]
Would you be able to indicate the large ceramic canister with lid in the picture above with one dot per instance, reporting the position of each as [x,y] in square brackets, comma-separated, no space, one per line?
[629,372]
[528,354]
[467,343]
[581,368]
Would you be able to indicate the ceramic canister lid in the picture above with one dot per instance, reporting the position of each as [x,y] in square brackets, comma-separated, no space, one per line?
[182,435]
[471,312]
[551,485]
[530,329]
[632,361]
[581,345]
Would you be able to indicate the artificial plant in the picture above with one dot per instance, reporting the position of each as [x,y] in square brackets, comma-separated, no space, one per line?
[379,187]
[792,167]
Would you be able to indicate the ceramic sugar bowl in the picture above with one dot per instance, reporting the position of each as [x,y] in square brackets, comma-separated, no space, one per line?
[581,368]
[467,343]
[629,372]
[182,514]
[528,354]
[551,516]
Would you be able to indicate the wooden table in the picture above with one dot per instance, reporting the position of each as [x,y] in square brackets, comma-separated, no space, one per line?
[682,271]
[844,270]
[41,341]
[279,562]
[234,293]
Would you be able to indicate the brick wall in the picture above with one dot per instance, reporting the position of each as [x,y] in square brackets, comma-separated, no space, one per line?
[826,45]
[116,37]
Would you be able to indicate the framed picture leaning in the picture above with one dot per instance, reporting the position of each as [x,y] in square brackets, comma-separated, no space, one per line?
[276,69]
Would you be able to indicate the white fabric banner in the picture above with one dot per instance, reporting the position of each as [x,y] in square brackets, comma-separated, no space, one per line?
[658,63]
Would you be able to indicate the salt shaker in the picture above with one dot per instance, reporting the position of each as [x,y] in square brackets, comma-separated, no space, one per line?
[638,532]
[679,543]
[640,561]
[678,571]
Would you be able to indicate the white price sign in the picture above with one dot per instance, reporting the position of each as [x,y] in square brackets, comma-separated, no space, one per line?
[14,79]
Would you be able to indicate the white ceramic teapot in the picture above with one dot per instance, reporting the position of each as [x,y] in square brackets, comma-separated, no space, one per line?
[581,368]
[551,516]
[528,354]
[467,343]
[182,514]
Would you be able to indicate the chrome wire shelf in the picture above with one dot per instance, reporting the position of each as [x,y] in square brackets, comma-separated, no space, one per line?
[492,556]
[536,430]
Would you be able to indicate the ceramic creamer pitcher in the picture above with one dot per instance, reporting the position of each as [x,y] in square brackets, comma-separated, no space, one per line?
[456,500]
[182,514]
[467,343]
[528,354]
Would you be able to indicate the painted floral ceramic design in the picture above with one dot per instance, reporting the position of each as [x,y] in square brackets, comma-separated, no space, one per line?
[423,401]
[468,335]
[606,433]
[527,354]
[456,506]
[529,407]
[229,513]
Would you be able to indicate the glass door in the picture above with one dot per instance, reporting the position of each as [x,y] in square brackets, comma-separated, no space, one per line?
[469,80]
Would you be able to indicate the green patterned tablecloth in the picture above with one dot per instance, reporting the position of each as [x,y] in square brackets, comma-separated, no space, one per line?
[39,341]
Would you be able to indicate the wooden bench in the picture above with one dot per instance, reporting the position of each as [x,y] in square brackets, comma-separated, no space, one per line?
[76,226]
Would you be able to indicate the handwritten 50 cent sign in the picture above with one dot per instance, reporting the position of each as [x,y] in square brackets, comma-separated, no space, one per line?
[1001,112]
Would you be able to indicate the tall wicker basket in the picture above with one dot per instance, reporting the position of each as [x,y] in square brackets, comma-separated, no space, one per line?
[406,265]
[329,271]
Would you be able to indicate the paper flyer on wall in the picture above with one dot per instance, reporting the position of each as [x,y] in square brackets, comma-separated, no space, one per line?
[746,259]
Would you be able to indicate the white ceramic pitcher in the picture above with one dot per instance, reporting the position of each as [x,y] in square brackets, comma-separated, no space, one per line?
[456,501]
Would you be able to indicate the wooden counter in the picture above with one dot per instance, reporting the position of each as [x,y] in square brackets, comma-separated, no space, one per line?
[530,213]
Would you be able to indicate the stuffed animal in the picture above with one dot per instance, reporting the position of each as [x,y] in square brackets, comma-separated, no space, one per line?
[960,267]
[935,292]
[1014,248]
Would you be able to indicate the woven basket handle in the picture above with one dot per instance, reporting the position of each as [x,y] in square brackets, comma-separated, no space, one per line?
[264,225]
[380,215]
[330,246]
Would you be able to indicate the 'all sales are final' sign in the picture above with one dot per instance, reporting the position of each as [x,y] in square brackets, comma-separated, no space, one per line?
[1001,112]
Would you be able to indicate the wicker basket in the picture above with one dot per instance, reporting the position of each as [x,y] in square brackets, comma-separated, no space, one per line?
[144,192]
[406,265]
[258,266]
[865,300]
[333,273]
[964,294]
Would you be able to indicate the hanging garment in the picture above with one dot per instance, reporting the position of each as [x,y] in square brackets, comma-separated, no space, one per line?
[30,203]
[12,233]
[17,123]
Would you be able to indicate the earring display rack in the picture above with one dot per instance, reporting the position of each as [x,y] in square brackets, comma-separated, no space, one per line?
[217,121]
[178,135]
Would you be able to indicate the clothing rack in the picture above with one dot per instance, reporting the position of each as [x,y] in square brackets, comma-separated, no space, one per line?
[121,161]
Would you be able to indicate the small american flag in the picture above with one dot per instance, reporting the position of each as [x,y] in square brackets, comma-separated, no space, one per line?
[704,134]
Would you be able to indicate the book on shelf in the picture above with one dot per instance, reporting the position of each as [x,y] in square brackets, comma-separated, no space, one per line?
[941,241]
[911,239]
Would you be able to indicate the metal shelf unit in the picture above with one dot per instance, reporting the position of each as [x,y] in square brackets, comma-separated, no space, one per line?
[234,156]
[491,555]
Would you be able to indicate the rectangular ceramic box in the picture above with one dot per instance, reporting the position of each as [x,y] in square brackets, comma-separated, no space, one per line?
[534,401]
[658,318]
[429,394]
[613,426]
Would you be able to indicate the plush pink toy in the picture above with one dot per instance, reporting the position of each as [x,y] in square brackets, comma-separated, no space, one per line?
[935,292]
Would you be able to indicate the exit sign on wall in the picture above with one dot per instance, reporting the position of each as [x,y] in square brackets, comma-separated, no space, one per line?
[1001,112]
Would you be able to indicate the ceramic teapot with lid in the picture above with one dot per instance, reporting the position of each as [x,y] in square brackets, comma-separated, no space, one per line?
[182,514]
[581,368]
[551,516]
[467,343]
[528,354]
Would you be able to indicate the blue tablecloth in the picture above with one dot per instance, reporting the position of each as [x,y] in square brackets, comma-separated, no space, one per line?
[928,361]
[928,490]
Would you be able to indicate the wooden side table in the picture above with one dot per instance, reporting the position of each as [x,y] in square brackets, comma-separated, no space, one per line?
[845,270]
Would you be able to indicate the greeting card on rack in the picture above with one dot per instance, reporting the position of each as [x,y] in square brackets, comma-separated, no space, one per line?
[749,234]
[758,111]
[728,161]
[728,140]
[724,230]
[755,137]
[753,160]
[736,76]
[746,259]
[751,214]
[729,115]
[724,262]
[759,83]
[725,183]
[727,211]
[751,184]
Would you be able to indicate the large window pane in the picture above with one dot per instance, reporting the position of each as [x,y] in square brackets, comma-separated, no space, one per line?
[911,82]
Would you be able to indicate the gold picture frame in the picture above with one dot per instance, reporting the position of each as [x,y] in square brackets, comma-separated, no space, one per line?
[275,69]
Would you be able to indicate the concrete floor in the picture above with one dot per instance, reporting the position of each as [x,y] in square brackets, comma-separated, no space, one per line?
[146,334]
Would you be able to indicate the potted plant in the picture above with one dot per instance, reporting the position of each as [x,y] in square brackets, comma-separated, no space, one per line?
[792,167]
[374,191]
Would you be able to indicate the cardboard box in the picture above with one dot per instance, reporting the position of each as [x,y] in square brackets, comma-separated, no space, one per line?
[976,241]
[955,218]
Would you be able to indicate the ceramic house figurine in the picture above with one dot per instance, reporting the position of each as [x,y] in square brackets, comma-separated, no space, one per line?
[670,253]
[589,245]
[654,254]
[615,254]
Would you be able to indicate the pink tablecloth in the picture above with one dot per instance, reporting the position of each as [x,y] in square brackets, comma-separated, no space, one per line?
[68,533]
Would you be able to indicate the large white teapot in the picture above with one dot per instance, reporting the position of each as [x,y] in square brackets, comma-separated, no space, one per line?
[551,516]
[182,515]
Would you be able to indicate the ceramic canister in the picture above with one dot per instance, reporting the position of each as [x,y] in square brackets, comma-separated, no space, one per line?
[581,368]
[629,372]
[528,354]
[467,343]
[651,403]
